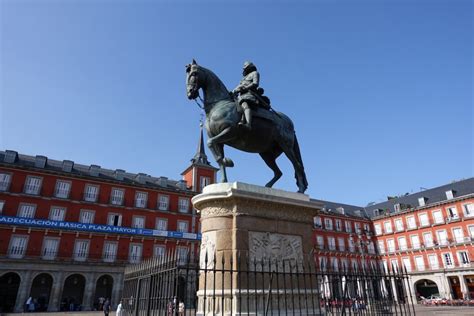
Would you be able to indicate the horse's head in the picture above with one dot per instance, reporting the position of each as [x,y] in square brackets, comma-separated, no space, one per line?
[193,80]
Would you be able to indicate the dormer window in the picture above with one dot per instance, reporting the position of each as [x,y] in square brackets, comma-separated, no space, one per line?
[422,201]
[10,156]
[377,212]
[450,194]
[68,165]
[94,170]
[397,207]
[40,161]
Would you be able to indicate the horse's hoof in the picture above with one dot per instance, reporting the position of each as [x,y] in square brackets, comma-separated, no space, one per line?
[228,162]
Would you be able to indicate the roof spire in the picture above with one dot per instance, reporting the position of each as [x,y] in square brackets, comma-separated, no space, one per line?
[200,157]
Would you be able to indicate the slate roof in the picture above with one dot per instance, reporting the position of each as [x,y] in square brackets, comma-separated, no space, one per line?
[461,188]
[93,172]
[349,210]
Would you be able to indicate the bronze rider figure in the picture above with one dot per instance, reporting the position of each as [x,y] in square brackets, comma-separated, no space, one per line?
[246,92]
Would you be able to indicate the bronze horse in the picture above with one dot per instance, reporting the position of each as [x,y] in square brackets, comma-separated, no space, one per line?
[272,132]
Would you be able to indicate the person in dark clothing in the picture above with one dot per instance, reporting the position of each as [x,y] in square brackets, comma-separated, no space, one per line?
[106,307]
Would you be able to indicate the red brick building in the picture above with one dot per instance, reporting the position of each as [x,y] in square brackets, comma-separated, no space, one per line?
[431,234]
[68,230]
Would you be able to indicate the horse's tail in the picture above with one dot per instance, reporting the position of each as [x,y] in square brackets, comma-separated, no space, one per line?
[296,149]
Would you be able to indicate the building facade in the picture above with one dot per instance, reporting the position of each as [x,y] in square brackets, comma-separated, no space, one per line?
[68,230]
[431,235]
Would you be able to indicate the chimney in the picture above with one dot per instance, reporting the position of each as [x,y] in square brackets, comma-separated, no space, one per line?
[94,170]
[119,174]
[11,156]
[68,165]
[40,161]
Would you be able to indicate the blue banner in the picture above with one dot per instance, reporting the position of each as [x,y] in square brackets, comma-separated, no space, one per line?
[47,223]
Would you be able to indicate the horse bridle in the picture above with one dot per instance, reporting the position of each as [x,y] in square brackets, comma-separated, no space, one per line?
[194,86]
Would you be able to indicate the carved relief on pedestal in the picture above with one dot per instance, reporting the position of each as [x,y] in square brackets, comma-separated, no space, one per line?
[208,246]
[267,247]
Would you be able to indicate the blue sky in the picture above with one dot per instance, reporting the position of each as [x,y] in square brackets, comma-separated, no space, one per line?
[380,92]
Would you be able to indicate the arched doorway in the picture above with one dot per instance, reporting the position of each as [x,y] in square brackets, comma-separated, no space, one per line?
[73,292]
[425,288]
[41,291]
[103,290]
[9,284]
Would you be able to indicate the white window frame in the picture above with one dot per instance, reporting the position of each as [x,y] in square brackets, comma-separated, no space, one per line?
[378,229]
[204,181]
[20,210]
[437,219]
[461,258]
[111,219]
[117,199]
[331,243]
[87,195]
[2,205]
[357,228]
[430,241]
[156,251]
[338,225]
[452,212]
[162,206]
[400,246]
[81,254]
[406,262]
[446,264]
[135,258]
[141,199]
[399,224]
[6,180]
[157,223]
[434,264]
[50,254]
[409,226]
[348,226]
[33,189]
[18,253]
[60,192]
[457,239]
[470,229]
[328,223]
[390,248]
[387,227]
[320,241]
[183,207]
[81,216]
[54,217]
[180,229]
[468,209]
[442,242]
[107,255]
[183,253]
[419,267]
[415,245]
[420,219]
[138,221]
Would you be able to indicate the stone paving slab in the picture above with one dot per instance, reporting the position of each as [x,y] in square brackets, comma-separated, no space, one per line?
[444,310]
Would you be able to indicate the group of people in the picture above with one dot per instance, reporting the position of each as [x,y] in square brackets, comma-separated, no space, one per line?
[174,306]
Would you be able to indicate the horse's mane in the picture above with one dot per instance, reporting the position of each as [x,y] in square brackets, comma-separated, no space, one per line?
[214,79]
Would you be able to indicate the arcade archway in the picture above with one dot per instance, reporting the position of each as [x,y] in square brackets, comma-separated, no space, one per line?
[41,291]
[425,288]
[9,284]
[73,292]
[103,290]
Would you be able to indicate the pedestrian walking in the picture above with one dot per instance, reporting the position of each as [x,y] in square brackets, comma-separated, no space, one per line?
[181,308]
[119,311]
[106,307]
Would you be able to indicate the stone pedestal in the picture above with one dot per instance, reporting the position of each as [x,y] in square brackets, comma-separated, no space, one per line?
[256,225]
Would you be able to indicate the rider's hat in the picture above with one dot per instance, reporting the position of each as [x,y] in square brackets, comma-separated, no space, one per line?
[249,67]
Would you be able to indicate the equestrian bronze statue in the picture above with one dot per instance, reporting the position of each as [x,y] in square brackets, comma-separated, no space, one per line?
[269,133]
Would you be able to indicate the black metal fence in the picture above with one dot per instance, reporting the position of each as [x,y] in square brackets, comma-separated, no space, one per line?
[234,285]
